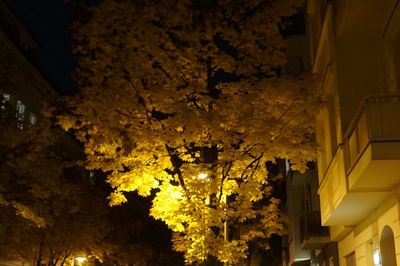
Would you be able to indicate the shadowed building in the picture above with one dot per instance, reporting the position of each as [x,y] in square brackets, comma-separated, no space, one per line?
[21,85]
[23,89]
[306,242]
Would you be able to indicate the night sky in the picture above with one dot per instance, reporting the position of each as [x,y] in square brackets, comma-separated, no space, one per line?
[48,22]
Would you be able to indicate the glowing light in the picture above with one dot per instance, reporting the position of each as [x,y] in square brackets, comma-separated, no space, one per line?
[202,176]
[176,194]
[80,259]
[377,257]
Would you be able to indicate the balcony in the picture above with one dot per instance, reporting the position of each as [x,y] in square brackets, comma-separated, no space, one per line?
[313,235]
[372,145]
[366,166]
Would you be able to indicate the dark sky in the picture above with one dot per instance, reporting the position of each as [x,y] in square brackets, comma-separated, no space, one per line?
[48,22]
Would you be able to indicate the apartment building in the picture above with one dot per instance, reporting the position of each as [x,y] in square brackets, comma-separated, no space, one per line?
[23,88]
[307,242]
[21,85]
[355,47]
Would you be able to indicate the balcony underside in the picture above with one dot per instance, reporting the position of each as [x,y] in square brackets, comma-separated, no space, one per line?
[354,206]
[301,263]
[315,242]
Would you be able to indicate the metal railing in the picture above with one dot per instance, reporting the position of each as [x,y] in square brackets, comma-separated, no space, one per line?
[376,120]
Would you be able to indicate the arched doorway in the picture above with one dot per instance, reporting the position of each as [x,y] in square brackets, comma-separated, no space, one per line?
[388,250]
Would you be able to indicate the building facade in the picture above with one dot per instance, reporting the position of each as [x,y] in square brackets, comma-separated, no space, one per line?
[21,84]
[307,241]
[355,48]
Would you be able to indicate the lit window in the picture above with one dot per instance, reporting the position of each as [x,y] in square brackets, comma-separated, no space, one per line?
[20,114]
[5,99]
[20,107]
[32,119]
[92,178]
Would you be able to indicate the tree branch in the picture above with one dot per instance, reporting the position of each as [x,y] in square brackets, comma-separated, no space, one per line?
[224,176]
[176,167]
[250,165]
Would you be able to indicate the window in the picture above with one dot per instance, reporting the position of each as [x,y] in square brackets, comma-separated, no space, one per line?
[387,248]
[6,97]
[92,178]
[20,114]
[20,108]
[32,119]
[351,259]
[4,101]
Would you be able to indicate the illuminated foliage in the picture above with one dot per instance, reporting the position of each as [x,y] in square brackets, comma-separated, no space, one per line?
[171,90]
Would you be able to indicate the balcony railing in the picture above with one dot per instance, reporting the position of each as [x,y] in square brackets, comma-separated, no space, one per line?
[313,234]
[365,168]
[377,120]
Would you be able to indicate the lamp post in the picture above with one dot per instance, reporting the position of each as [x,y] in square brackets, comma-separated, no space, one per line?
[209,155]
[204,176]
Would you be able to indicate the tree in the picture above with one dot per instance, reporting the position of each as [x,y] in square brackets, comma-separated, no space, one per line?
[43,207]
[50,213]
[31,171]
[76,228]
[187,100]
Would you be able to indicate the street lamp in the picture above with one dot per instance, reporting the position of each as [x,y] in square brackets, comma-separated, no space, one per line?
[202,176]
[79,260]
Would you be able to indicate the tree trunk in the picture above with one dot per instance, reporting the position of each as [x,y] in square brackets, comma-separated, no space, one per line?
[39,257]
[65,258]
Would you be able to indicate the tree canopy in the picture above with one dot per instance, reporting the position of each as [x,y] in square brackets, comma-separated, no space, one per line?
[31,171]
[43,209]
[186,99]
[53,210]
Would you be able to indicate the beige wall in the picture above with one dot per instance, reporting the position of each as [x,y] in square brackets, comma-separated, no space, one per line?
[355,47]
[365,237]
